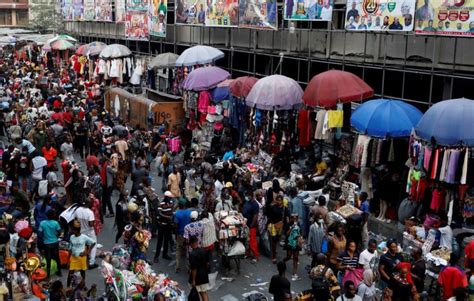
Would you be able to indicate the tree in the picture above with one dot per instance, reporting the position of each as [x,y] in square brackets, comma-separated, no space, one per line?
[45,17]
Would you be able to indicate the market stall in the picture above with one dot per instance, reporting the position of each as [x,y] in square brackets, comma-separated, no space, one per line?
[144,112]
[205,115]
[384,124]
[116,62]
[273,101]
[162,72]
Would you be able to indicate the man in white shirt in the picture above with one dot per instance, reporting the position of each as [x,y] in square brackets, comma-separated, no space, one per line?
[218,185]
[39,163]
[67,149]
[367,257]
[86,217]
[349,292]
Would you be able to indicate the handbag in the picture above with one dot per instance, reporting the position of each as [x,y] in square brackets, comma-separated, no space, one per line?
[300,242]
[193,295]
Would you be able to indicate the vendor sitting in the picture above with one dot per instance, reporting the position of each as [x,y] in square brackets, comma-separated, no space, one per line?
[320,170]
[440,231]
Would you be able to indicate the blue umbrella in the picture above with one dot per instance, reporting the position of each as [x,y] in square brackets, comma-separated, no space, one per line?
[385,118]
[220,93]
[449,122]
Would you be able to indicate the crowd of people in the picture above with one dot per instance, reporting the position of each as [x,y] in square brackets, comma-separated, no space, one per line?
[51,116]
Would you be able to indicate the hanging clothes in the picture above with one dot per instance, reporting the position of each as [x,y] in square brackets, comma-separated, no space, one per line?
[318,134]
[304,128]
[444,165]
[137,74]
[427,158]
[452,166]
[438,200]
[365,179]
[464,167]
[335,118]
[434,163]
[203,101]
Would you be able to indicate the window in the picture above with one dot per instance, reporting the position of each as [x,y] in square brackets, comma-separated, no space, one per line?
[22,17]
[5,17]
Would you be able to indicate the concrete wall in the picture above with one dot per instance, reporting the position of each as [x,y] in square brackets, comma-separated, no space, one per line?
[358,47]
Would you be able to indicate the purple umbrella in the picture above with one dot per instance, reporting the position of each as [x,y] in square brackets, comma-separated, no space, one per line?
[205,78]
[275,92]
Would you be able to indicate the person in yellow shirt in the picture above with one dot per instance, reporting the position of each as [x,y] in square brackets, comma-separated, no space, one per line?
[320,170]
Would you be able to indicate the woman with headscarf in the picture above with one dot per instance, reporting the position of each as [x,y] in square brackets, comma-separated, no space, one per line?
[402,284]
[190,185]
[366,289]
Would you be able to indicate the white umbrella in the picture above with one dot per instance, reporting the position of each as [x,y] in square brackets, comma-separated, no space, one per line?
[114,51]
[199,55]
[164,60]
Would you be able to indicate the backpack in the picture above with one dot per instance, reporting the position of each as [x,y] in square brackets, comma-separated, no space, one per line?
[320,287]
[43,188]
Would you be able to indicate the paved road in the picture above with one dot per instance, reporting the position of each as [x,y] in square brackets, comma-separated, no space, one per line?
[225,289]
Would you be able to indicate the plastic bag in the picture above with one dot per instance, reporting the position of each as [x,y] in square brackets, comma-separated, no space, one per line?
[193,295]
[212,280]
[238,248]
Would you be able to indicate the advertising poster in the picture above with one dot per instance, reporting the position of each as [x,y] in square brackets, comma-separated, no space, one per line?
[311,10]
[222,13]
[120,11]
[103,10]
[77,10]
[136,25]
[445,17]
[190,12]
[259,14]
[89,10]
[137,5]
[158,12]
[380,15]
[67,10]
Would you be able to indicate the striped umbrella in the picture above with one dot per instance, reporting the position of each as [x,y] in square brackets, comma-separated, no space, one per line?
[62,45]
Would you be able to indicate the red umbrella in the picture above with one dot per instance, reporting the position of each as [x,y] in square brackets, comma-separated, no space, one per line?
[334,86]
[82,50]
[241,86]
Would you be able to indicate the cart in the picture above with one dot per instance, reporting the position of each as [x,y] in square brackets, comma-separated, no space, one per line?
[233,236]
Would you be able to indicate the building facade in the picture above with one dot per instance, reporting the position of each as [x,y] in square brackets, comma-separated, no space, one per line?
[14,13]
[419,69]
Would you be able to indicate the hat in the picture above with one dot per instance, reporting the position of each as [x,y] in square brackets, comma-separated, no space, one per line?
[169,194]
[132,207]
[194,215]
[26,233]
[182,201]
[20,225]
[32,263]
[140,192]
[228,185]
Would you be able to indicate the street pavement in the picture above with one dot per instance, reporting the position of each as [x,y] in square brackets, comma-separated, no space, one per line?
[252,277]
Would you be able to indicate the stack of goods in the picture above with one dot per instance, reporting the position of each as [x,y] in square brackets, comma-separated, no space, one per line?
[348,210]
[142,282]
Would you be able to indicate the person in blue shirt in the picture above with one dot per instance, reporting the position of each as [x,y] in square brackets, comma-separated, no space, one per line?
[365,208]
[182,217]
[50,230]
[41,210]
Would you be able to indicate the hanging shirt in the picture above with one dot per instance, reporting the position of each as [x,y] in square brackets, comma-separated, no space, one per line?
[304,128]
[335,119]
[204,101]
